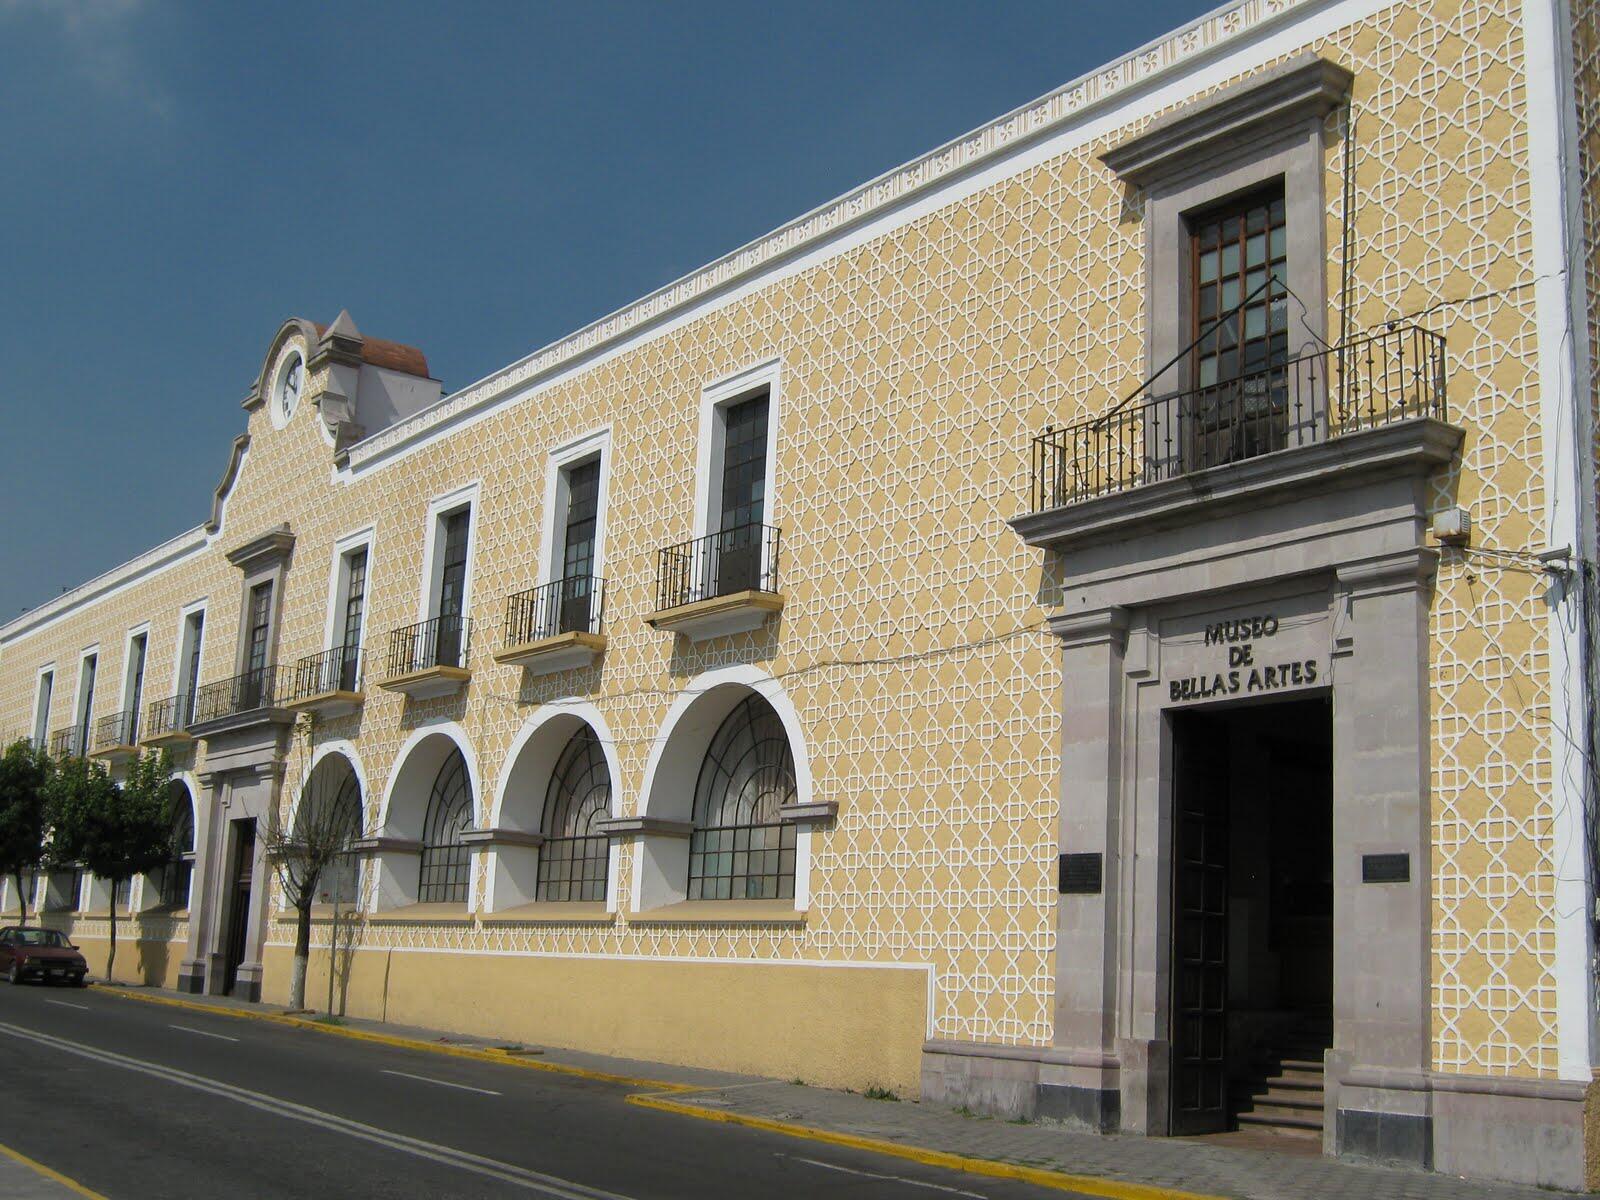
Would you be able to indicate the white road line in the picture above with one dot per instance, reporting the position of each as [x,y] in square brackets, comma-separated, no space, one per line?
[221,1037]
[533,1181]
[68,1004]
[932,1187]
[442,1082]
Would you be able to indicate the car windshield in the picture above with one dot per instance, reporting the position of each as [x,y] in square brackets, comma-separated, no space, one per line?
[35,937]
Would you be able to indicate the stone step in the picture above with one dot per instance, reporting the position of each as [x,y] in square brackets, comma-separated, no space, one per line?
[1280,1106]
[1296,1126]
[1268,1091]
[1292,1065]
[1291,1083]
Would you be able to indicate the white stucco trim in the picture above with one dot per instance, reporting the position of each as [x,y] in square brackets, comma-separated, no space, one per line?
[715,398]
[594,444]
[440,507]
[445,728]
[1569,517]
[744,678]
[566,711]
[80,713]
[364,538]
[40,728]
[180,655]
[127,699]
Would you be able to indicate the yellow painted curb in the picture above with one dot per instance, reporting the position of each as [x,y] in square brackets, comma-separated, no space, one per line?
[481,1054]
[1083,1184]
[72,1185]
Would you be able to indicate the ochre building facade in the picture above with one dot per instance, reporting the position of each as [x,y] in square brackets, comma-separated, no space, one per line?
[1094,624]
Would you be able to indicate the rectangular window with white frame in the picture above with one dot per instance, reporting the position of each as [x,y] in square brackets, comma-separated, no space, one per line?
[83,704]
[44,693]
[347,614]
[133,685]
[442,636]
[186,681]
[571,595]
[736,542]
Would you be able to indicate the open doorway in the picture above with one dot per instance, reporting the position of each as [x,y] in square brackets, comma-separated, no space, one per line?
[1252,962]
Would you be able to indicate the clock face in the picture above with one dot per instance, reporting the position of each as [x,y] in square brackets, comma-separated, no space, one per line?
[289,386]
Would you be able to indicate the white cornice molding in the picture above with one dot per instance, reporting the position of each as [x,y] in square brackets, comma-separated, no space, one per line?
[159,558]
[1103,88]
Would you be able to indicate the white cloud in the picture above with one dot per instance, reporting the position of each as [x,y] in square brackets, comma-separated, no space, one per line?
[97,40]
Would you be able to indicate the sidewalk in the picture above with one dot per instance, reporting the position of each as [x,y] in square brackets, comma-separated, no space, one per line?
[909,1128]
[32,1181]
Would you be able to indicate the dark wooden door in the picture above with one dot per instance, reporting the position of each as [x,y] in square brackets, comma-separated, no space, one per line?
[239,880]
[1200,926]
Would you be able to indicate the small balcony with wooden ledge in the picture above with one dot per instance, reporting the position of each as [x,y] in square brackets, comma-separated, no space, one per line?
[429,659]
[116,737]
[327,684]
[558,626]
[70,742]
[720,584]
[166,724]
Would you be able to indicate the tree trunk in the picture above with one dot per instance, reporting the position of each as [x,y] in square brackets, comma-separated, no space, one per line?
[111,955]
[22,899]
[302,952]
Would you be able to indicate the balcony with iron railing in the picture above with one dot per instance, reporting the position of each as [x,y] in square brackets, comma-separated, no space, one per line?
[234,701]
[723,583]
[166,722]
[116,737]
[71,741]
[558,626]
[429,659]
[1313,414]
[328,684]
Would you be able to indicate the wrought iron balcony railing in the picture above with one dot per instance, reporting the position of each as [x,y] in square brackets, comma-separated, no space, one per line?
[744,558]
[241,694]
[118,729]
[335,670]
[71,742]
[575,604]
[1372,380]
[172,715]
[441,642]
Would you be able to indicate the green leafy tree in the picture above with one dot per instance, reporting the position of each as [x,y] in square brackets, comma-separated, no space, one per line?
[115,830]
[24,771]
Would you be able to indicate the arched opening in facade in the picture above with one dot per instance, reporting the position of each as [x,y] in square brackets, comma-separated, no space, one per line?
[171,880]
[421,852]
[327,821]
[445,870]
[740,848]
[727,797]
[556,788]
[575,855]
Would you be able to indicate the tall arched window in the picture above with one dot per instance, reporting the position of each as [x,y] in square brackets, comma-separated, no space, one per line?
[573,859]
[328,816]
[739,849]
[446,866]
[173,875]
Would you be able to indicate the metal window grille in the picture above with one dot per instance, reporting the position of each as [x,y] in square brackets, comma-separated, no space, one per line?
[744,558]
[574,857]
[173,880]
[446,866]
[329,813]
[739,849]
[572,605]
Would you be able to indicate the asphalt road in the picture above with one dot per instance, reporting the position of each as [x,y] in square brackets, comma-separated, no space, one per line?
[139,1100]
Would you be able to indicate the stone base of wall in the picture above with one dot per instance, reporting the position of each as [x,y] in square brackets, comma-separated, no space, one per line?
[855,1027]
[1544,1132]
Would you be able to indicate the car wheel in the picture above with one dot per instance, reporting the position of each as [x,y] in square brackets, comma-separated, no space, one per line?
[81,981]
[15,974]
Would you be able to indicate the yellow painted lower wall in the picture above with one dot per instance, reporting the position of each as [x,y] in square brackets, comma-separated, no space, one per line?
[852,1027]
[149,961]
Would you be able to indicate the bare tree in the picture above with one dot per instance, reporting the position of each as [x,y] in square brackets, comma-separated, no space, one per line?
[309,848]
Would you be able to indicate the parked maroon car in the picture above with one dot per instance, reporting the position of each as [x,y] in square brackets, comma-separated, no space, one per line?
[42,954]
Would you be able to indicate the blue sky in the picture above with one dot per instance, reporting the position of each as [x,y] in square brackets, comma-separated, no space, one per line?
[180,177]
